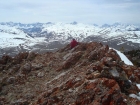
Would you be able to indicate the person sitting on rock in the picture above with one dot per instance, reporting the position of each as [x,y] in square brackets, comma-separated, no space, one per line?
[73,43]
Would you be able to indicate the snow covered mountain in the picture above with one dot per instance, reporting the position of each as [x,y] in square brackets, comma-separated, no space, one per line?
[13,37]
[14,40]
[51,36]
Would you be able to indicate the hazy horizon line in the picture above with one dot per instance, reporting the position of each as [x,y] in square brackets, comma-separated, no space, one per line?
[73,22]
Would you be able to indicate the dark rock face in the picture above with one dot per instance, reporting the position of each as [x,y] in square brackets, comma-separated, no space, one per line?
[134,56]
[89,74]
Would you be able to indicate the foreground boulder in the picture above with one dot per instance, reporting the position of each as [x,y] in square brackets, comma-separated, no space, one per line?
[89,74]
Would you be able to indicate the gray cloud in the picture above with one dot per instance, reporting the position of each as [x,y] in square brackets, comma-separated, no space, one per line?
[87,11]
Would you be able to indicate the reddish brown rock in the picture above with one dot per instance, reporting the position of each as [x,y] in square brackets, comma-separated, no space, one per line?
[5,59]
[102,91]
[31,56]
[72,60]
[19,58]
[112,53]
[1,67]
[20,102]
[2,101]
[11,80]
[89,74]
[25,69]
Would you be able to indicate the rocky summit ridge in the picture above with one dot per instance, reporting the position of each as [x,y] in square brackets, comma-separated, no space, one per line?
[89,74]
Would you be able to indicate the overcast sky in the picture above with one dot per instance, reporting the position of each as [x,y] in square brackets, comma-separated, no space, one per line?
[84,11]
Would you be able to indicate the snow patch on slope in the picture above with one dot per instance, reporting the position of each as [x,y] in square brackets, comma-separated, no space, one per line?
[124,58]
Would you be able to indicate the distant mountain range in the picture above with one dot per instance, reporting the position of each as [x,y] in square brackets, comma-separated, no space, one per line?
[42,37]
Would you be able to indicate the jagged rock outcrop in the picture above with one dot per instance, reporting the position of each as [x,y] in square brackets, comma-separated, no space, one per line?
[89,74]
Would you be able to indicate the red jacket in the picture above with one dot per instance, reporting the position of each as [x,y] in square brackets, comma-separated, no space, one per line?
[73,43]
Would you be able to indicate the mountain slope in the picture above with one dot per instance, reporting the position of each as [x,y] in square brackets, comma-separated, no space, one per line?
[14,40]
[89,74]
[10,37]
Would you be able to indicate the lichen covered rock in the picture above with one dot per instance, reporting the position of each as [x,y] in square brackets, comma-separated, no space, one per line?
[89,74]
